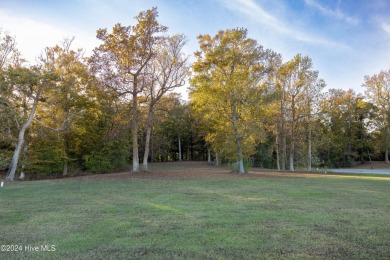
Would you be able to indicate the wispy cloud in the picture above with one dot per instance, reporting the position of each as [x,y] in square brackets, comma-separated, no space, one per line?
[332,13]
[385,27]
[31,42]
[258,13]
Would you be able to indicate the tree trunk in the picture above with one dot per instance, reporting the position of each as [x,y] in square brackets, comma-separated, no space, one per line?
[22,131]
[309,155]
[152,159]
[277,149]
[147,140]
[208,156]
[180,159]
[22,174]
[284,149]
[292,146]
[135,131]
[283,132]
[241,169]
[387,145]
[216,159]
[66,149]
[292,151]
[309,140]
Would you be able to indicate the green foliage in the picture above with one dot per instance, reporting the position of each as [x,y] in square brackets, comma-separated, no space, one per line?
[106,160]
[346,119]
[6,151]
[226,89]
[98,162]
[43,158]
[245,104]
[5,159]
[264,156]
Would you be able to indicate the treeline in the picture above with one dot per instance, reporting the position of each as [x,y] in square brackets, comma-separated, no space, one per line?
[70,114]
[275,113]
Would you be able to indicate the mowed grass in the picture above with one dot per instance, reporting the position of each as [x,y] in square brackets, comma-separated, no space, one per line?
[224,216]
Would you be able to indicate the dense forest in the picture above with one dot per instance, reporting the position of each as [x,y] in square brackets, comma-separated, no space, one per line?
[70,114]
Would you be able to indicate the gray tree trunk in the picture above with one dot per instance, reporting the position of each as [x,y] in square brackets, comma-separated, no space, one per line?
[277,148]
[208,155]
[22,131]
[241,169]
[147,140]
[216,159]
[292,146]
[283,158]
[309,139]
[22,174]
[135,132]
[309,155]
[180,159]
[152,146]
[284,149]
[65,169]
[387,145]
[147,144]
[292,156]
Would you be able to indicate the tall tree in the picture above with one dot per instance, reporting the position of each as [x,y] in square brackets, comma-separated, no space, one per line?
[378,92]
[9,56]
[121,61]
[168,70]
[312,91]
[344,115]
[28,84]
[68,97]
[299,87]
[225,87]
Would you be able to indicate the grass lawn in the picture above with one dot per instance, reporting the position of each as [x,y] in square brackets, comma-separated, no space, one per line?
[216,216]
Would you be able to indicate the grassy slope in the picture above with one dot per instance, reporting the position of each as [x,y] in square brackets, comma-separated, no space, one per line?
[295,217]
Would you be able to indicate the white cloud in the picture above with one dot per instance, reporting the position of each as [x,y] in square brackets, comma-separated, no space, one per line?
[332,13]
[385,27]
[34,36]
[256,12]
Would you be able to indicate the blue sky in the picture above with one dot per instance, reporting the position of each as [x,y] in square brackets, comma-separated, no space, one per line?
[346,39]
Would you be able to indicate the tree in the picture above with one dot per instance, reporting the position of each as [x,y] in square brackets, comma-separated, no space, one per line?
[121,61]
[226,88]
[9,54]
[378,92]
[168,70]
[69,97]
[299,87]
[345,117]
[312,91]
[28,84]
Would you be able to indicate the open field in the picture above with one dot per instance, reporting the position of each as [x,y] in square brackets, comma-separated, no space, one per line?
[192,210]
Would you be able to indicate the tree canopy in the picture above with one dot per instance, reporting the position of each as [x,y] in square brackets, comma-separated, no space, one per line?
[71,114]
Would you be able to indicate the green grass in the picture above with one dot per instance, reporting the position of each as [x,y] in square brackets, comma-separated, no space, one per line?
[314,216]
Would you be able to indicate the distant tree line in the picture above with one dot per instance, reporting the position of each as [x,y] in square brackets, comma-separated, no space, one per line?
[70,113]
